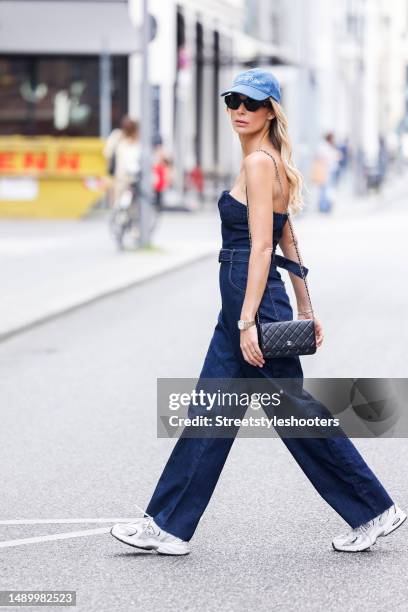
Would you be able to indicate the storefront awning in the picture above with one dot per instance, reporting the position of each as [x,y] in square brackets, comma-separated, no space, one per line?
[63,27]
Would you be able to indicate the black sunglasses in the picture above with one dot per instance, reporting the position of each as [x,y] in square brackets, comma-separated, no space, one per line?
[233,101]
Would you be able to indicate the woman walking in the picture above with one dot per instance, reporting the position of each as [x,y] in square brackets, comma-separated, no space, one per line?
[250,283]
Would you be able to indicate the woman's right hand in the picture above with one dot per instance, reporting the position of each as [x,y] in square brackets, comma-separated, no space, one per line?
[250,347]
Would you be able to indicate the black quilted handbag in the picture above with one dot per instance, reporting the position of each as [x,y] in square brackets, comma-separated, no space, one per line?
[286,338]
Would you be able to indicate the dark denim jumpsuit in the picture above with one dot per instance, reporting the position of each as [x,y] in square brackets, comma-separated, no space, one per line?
[333,465]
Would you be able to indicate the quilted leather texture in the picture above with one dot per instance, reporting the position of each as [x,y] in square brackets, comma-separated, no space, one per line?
[288,338]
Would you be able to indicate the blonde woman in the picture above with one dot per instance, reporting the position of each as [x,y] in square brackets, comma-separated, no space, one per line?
[251,282]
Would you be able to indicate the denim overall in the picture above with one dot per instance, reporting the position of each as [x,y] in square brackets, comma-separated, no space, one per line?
[333,465]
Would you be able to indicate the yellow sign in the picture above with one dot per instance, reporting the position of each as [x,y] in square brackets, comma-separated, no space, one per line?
[46,177]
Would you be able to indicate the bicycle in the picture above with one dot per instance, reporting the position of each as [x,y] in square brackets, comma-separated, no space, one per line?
[125,218]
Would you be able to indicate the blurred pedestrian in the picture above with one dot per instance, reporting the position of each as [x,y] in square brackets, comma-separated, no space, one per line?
[383,158]
[122,151]
[324,171]
[343,148]
[162,169]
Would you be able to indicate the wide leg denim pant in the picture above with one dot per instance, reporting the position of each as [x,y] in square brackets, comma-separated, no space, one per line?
[333,465]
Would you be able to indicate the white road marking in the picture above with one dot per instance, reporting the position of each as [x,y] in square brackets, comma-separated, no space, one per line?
[68,520]
[55,536]
[59,536]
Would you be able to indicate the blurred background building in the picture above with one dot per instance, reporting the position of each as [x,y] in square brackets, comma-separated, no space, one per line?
[73,69]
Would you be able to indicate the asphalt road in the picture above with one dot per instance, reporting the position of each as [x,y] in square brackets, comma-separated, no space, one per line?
[78,443]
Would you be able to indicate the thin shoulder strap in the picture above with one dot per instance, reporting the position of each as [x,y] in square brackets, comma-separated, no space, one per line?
[277,173]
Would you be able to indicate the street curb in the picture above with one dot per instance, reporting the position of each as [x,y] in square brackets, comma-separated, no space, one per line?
[4,336]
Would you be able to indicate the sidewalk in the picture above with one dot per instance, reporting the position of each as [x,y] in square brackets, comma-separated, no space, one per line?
[51,267]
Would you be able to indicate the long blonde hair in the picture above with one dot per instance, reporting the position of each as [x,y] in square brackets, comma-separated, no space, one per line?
[279,137]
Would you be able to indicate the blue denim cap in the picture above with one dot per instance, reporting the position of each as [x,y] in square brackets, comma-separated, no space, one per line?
[257,84]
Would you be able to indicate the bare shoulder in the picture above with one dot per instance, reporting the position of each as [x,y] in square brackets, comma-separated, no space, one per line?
[258,165]
[256,158]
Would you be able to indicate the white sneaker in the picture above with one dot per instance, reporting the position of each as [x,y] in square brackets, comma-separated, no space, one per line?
[144,533]
[362,537]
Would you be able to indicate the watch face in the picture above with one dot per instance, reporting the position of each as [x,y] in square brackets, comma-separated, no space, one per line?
[244,325]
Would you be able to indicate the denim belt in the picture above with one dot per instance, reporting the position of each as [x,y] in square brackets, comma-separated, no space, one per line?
[242,255]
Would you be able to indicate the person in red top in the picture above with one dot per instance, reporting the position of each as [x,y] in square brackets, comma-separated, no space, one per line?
[161,170]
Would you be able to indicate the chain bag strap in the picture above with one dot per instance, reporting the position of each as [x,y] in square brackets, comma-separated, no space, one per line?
[286,338]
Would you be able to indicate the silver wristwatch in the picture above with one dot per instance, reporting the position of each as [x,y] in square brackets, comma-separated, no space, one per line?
[243,325]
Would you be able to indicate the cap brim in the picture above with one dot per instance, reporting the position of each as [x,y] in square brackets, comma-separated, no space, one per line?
[246,90]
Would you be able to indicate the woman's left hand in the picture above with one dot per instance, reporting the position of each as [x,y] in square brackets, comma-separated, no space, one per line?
[318,328]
